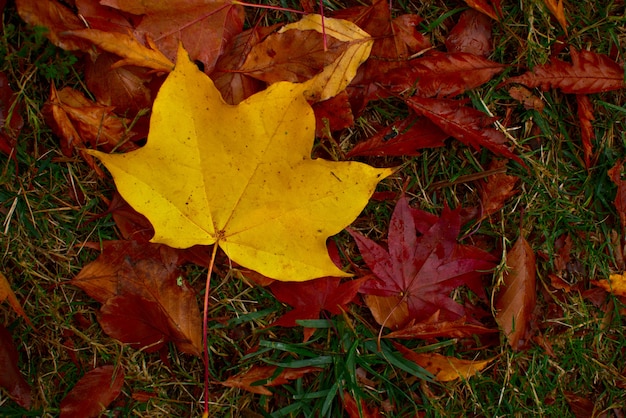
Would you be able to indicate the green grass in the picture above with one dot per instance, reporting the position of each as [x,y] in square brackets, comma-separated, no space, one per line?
[44,227]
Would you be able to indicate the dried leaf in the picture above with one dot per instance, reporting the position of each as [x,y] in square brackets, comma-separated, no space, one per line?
[615,173]
[459,328]
[257,378]
[93,393]
[588,73]
[444,368]
[272,214]
[10,377]
[529,100]
[489,8]
[517,298]
[358,411]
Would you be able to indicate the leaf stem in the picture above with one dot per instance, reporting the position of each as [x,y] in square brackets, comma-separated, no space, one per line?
[205,342]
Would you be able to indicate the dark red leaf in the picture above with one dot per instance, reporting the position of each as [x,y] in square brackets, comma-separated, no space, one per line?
[312,297]
[93,393]
[615,173]
[517,298]
[333,114]
[471,34]
[442,75]
[11,121]
[257,378]
[404,137]
[588,73]
[422,271]
[10,377]
[468,125]
[490,8]
[581,406]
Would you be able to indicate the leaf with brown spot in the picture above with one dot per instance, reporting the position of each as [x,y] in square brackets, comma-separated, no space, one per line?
[517,297]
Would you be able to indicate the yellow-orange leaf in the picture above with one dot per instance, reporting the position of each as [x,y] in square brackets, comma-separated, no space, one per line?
[616,284]
[242,176]
[557,10]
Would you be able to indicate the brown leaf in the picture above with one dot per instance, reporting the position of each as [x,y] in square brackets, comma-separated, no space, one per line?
[358,411]
[388,311]
[517,297]
[581,406]
[587,134]
[257,378]
[496,189]
[11,121]
[525,96]
[93,393]
[445,369]
[125,88]
[56,18]
[615,173]
[10,377]
[146,299]
[588,73]
[471,34]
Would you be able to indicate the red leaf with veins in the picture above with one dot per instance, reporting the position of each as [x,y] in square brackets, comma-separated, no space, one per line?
[424,270]
[468,125]
[312,297]
[588,73]
[442,75]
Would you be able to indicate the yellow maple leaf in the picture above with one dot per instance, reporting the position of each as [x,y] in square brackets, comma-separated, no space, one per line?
[616,284]
[242,177]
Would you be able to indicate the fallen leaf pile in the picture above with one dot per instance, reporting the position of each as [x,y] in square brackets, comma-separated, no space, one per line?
[209,133]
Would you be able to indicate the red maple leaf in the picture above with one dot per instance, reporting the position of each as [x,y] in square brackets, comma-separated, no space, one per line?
[423,270]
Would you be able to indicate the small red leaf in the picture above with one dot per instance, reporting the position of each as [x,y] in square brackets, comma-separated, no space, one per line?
[588,73]
[257,378]
[10,377]
[93,393]
[471,34]
[517,298]
[358,411]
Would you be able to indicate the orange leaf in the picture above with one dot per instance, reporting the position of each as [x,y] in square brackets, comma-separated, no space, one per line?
[616,284]
[257,378]
[459,328]
[529,100]
[6,293]
[490,8]
[496,189]
[557,10]
[444,368]
[587,135]
[516,300]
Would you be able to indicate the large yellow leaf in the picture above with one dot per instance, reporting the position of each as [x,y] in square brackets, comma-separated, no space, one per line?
[242,176]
